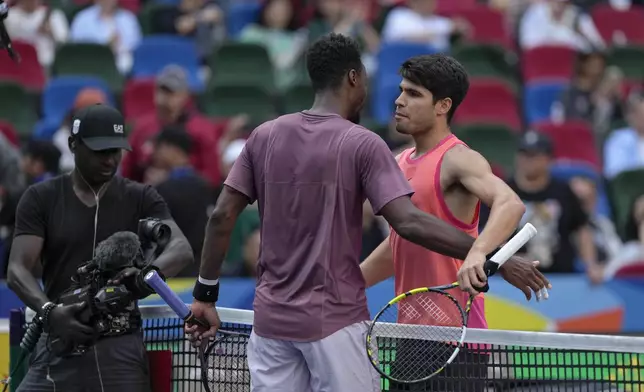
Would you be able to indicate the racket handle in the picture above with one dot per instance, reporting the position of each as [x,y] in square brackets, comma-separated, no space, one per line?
[153,279]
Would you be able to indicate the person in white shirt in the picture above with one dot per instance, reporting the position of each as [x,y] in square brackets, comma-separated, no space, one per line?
[558,23]
[39,25]
[624,148]
[105,23]
[418,23]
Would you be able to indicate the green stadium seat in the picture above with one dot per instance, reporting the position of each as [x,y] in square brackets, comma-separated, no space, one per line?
[629,59]
[490,61]
[17,108]
[297,98]
[150,14]
[84,59]
[624,189]
[228,100]
[242,63]
[496,143]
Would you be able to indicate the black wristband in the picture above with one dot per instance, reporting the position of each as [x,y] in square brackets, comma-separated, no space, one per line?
[206,293]
[489,255]
[45,312]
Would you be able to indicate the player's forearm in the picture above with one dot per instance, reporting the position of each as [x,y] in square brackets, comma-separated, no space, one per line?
[436,235]
[505,215]
[22,282]
[216,241]
[379,265]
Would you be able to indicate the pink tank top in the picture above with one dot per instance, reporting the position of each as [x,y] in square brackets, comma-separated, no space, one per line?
[414,265]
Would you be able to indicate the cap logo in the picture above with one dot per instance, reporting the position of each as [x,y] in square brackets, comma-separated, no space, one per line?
[75,127]
[118,128]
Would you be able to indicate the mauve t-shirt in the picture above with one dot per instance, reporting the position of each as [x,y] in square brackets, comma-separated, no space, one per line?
[310,174]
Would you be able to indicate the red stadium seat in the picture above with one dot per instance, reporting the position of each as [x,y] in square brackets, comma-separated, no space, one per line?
[130,5]
[573,141]
[630,85]
[610,21]
[488,25]
[9,132]
[489,102]
[28,72]
[538,64]
[451,6]
[138,98]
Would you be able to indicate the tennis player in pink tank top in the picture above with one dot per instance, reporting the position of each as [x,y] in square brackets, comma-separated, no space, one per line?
[450,180]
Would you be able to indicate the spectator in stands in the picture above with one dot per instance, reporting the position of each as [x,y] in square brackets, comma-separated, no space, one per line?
[555,211]
[40,161]
[418,23]
[189,197]
[276,30]
[86,97]
[624,148]
[595,93]
[558,22]
[202,20]
[605,236]
[633,249]
[12,184]
[107,24]
[40,25]
[347,18]
[174,106]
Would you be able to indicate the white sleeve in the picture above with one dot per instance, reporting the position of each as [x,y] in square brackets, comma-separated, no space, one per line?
[59,26]
[590,32]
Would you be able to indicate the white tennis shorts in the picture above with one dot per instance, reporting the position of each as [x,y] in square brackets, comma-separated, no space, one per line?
[337,363]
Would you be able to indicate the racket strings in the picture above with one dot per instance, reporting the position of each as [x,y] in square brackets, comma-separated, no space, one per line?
[414,338]
[226,368]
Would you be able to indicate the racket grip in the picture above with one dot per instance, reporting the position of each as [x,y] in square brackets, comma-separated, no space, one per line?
[153,279]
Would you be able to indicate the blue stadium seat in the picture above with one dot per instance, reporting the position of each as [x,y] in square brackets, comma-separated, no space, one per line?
[386,90]
[60,93]
[157,51]
[566,171]
[393,54]
[538,99]
[241,14]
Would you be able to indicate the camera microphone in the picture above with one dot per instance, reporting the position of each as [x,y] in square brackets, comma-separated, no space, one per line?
[117,252]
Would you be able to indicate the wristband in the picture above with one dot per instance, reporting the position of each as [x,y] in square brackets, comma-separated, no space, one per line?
[45,312]
[206,292]
[489,255]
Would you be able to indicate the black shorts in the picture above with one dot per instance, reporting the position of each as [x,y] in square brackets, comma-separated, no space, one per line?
[466,373]
[114,364]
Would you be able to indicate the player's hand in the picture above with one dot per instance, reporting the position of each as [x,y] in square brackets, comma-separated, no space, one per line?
[207,312]
[64,322]
[471,274]
[524,275]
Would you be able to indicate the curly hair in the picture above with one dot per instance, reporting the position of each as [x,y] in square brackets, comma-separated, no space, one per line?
[330,58]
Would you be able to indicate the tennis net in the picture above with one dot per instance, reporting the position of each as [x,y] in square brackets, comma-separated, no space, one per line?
[491,361]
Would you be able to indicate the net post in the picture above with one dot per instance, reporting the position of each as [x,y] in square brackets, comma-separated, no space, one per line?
[16,332]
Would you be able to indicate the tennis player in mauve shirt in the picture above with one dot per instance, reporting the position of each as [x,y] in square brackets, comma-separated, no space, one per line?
[310,173]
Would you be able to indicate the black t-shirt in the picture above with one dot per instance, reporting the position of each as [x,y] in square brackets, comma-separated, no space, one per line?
[52,210]
[190,199]
[556,213]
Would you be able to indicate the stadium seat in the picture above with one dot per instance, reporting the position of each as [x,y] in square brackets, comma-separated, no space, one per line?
[16,107]
[240,14]
[29,73]
[131,5]
[382,99]
[9,132]
[573,141]
[59,95]
[228,100]
[85,59]
[497,144]
[151,13]
[491,102]
[448,7]
[629,59]
[624,189]
[490,61]
[393,54]
[612,24]
[547,64]
[297,98]
[242,63]
[489,25]
[155,52]
[538,100]
[138,98]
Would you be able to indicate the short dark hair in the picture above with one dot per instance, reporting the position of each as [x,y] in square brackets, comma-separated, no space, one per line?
[176,137]
[46,152]
[330,58]
[442,75]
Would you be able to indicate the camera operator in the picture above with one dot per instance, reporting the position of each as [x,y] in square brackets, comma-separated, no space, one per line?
[59,223]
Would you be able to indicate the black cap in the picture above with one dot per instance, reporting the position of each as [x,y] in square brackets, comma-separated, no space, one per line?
[532,141]
[100,127]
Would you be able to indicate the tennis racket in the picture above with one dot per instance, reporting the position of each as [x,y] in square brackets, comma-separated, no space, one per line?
[418,333]
[223,363]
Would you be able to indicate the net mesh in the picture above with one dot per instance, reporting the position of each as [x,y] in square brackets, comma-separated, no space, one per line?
[490,360]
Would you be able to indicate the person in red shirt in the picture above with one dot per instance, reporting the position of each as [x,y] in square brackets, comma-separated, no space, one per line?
[172,99]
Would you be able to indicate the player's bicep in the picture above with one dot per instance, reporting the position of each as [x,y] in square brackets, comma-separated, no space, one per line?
[229,205]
